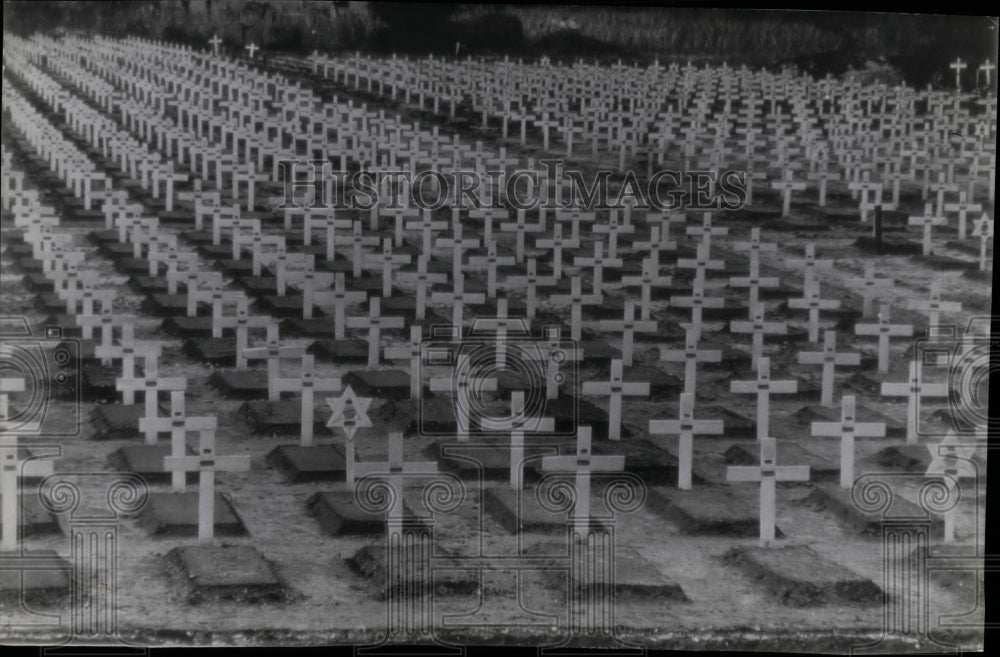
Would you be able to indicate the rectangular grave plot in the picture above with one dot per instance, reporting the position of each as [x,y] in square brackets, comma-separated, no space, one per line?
[198,237]
[187,327]
[301,464]
[492,461]
[147,462]
[839,503]
[17,247]
[472,462]
[340,351]
[643,459]
[909,458]
[33,518]
[736,424]
[708,511]
[131,266]
[733,360]
[39,282]
[116,250]
[148,284]
[635,578]
[118,422]
[436,415]
[99,384]
[662,385]
[867,384]
[520,512]
[954,567]
[370,563]
[596,352]
[289,305]
[173,217]
[571,412]
[176,515]
[39,578]
[28,265]
[338,265]
[213,251]
[319,326]
[233,573]
[382,384]
[897,247]
[474,459]
[217,351]
[339,514]
[236,384]
[281,417]
[400,306]
[164,305]
[508,382]
[944,263]
[798,576]
[234,268]
[259,286]
[75,212]
[50,302]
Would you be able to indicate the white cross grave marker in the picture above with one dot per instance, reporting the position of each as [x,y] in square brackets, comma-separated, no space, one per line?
[812,302]
[395,468]
[847,429]
[178,425]
[463,384]
[767,473]
[884,330]
[828,358]
[758,328]
[206,463]
[951,460]
[869,285]
[763,387]
[582,464]
[934,306]
[690,355]
[958,66]
[914,389]
[615,388]
[12,469]
[928,220]
[685,426]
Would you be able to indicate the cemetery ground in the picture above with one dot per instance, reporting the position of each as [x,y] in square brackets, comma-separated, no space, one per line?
[723,606]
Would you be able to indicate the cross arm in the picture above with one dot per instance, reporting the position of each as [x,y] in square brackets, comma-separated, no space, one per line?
[695,426]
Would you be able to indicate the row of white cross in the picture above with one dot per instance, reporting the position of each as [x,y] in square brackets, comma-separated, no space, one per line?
[587,99]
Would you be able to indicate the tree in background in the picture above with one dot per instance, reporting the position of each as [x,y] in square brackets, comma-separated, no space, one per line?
[414,27]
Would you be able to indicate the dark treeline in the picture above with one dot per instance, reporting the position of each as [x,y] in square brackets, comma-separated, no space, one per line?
[917,47]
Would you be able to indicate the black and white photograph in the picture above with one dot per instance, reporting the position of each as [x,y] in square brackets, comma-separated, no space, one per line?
[411,327]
